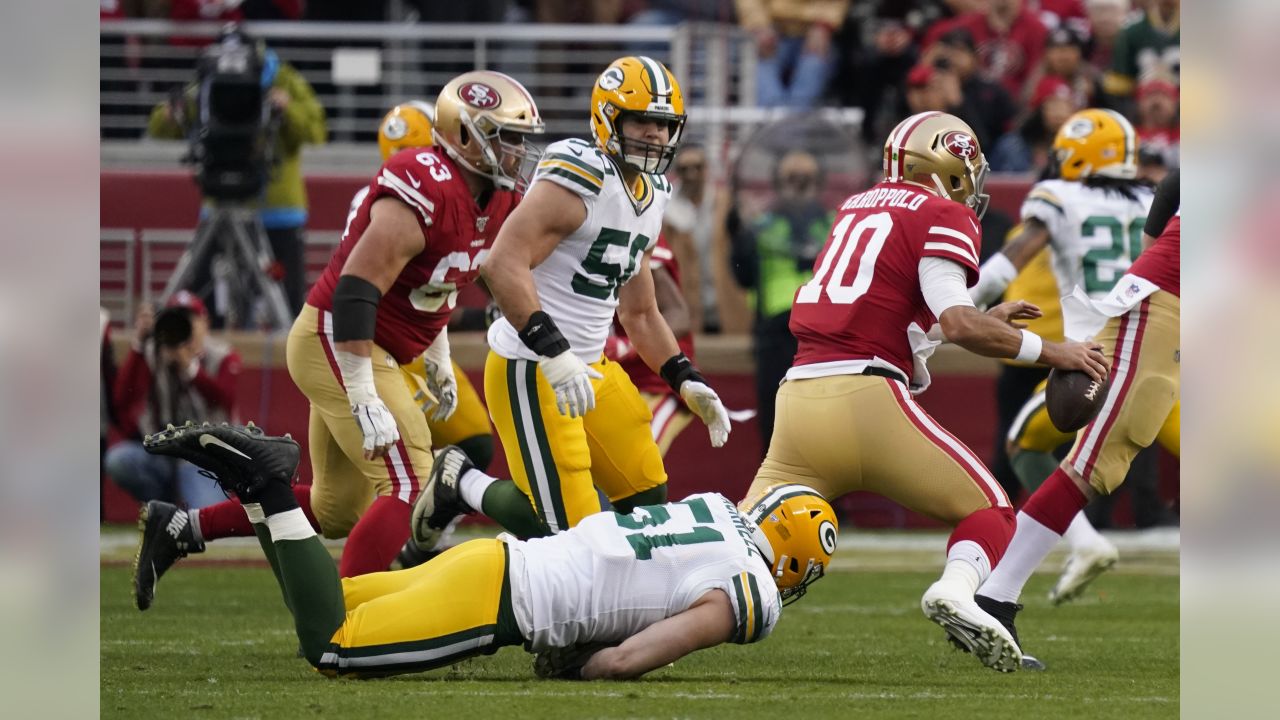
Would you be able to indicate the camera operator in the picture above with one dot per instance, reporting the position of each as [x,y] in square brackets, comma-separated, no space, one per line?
[173,373]
[300,120]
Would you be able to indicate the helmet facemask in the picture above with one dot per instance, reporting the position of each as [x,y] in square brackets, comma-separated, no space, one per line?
[647,157]
[510,165]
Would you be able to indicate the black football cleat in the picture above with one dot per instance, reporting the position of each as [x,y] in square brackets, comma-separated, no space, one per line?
[242,458]
[441,500]
[166,538]
[1005,612]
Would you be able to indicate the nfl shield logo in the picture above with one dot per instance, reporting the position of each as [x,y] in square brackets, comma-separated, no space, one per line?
[481,222]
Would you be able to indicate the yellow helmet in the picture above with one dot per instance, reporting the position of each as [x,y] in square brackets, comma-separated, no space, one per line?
[939,152]
[1096,142]
[801,530]
[408,125]
[482,119]
[637,85]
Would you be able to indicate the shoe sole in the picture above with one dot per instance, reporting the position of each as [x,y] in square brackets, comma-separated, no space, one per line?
[144,515]
[989,646]
[1076,589]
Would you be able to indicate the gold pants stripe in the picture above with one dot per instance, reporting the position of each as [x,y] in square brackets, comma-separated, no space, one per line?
[559,461]
[344,483]
[455,606]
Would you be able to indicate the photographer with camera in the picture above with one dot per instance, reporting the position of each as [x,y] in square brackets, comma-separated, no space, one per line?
[248,115]
[173,373]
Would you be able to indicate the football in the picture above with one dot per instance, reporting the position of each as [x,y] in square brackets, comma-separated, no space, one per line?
[1073,398]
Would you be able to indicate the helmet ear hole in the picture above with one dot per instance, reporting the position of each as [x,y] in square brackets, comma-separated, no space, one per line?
[956,183]
[464,135]
[795,565]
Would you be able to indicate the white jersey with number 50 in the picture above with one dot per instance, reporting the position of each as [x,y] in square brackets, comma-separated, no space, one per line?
[612,575]
[578,282]
[1094,234]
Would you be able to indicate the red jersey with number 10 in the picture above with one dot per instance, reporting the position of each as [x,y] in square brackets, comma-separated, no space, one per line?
[865,292]
[458,235]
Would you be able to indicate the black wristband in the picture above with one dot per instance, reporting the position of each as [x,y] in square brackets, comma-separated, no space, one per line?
[542,336]
[678,369]
[355,309]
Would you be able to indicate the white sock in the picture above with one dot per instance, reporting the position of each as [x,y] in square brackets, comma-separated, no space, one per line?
[472,486]
[193,516]
[1031,542]
[290,525]
[254,511]
[1081,533]
[967,566]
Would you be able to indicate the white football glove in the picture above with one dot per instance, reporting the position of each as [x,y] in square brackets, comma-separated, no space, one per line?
[571,380]
[440,379]
[705,403]
[377,424]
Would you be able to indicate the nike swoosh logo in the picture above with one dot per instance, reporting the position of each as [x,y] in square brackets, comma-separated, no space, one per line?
[416,182]
[206,440]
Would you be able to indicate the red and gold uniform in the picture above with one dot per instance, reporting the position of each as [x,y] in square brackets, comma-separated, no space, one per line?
[412,312]
[846,417]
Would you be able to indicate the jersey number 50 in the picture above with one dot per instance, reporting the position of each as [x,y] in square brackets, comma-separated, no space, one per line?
[845,244]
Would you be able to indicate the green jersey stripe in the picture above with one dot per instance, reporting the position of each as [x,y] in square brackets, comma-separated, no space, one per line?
[569,174]
[740,636]
[596,172]
[758,608]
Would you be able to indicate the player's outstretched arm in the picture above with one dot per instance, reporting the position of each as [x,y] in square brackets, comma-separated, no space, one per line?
[1001,268]
[391,240]
[710,621]
[546,215]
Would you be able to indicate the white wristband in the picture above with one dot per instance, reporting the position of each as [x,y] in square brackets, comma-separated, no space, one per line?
[1032,344]
[357,377]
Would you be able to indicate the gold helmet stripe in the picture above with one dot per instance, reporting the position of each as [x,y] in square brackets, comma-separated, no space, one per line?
[898,142]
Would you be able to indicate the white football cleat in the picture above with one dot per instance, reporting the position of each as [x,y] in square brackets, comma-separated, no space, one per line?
[1083,567]
[971,626]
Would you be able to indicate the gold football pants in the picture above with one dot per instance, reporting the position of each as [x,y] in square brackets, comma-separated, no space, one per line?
[468,420]
[845,433]
[453,607]
[343,482]
[559,461]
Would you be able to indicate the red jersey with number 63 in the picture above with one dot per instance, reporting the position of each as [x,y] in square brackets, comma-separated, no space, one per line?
[458,235]
[865,291]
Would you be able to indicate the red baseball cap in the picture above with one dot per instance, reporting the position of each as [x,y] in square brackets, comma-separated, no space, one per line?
[919,76]
[1157,84]
[1048,87]
[188,300]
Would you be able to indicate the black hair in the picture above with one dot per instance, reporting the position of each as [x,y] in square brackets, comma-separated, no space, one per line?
[1124,187]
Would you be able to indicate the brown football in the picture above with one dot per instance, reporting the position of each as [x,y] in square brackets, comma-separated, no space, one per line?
[1073,398]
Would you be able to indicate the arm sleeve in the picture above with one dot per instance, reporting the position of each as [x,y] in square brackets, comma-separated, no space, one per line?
[953,234]
[942,282]
[756,607]
[304,121]
[574,166]
[133,384]
[1043,204]
[220,389]
[1168,199]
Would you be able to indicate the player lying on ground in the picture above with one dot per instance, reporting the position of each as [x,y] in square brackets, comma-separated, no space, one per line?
[614,597]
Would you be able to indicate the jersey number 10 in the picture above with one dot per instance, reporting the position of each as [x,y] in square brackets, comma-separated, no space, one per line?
[845,244]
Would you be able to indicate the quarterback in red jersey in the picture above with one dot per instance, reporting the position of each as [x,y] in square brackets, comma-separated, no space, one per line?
[419,235]
[890,285]
[1139,328]
[670,415]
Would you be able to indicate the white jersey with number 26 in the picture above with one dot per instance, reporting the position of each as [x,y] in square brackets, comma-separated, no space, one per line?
[578,283]
[612,575]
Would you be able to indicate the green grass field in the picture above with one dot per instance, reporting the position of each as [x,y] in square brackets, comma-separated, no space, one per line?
[219,644]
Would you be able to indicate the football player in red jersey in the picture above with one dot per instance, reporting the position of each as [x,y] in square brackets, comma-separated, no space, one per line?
[670,415]
[419,235]
[890,285]
[1140,330]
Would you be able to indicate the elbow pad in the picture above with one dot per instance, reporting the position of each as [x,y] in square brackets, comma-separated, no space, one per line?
[355,309]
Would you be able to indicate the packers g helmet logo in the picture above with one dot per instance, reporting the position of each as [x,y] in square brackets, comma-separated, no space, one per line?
[611,79]
[961,144]
[827,534]
[395,128]
[1078,129]
[479,95]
